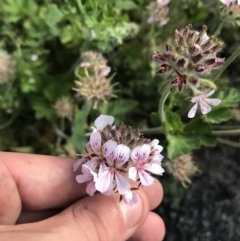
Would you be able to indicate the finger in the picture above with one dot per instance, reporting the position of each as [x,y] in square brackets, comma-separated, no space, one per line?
[153,229]
[36,216]
[10,202]
[43,182]
[93,218]
[154,194]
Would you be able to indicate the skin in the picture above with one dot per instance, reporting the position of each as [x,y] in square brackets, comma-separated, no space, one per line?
[40,195]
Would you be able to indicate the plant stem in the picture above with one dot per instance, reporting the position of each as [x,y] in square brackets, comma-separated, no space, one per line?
[161,105]
[159,130]
[227,142]
[80,6]
[218,31]
[227,132]
[227,63]
[149,131]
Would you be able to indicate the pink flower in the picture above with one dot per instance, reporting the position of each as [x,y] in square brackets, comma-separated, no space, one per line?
[88,176]
[77,164]
[130,198]
[110,176]
[102,121]
[105,71]
[143,164]
[163,2]
[204,103]
[227,2]
[101,151]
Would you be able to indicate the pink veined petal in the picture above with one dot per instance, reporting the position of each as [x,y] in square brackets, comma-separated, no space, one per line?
[210,93]
[111,158]
[91,189]
[103,120]
[145,151]
[83,178]
[145,178]
[109,147]
[193,111]
[157,158]
[130,198]
[197,98]
[136,154]
[103,168]
[77,164]
[205,108]
[104,181]
[154,168]
[110,189]
[122,154]
[123,184]
[213,102]
[154,142]
[95,142]
[132,173]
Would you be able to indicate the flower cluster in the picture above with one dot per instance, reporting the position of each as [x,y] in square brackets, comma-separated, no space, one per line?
[230,11]
[182,168]
[114,155]
[192,56]
[6,67]
[64,108]
[96,62]
[158,12]
[94,86]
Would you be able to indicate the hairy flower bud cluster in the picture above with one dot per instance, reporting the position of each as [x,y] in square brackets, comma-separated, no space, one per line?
[94,86]
[230,12]
[194,52]
[64,108]
[158,11]
[193,55]
[182,168]
[6,67]
[114,155]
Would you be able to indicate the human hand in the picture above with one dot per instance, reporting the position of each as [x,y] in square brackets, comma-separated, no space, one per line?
[40,194]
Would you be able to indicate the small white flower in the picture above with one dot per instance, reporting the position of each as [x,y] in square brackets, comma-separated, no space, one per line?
[101,122]
[204,103]
[227,2]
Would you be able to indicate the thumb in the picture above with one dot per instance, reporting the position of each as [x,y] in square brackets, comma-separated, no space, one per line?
[102,218]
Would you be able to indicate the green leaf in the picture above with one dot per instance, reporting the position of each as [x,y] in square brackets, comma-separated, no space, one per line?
[78,137]
[196,133]
[155,120]
[118,108]
[173,122]
[218,115]
[125,5]
[181,144]
[53,15]
[202,131]
[43,108]
[230,97]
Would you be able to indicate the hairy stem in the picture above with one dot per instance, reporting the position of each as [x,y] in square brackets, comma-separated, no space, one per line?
[161,105]
[227,142]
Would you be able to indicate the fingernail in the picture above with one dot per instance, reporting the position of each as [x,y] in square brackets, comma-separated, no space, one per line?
[132,214]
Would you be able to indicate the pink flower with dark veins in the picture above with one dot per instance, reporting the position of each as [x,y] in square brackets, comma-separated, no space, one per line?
[143,164]
[88,176]
[110,175]
[204,103]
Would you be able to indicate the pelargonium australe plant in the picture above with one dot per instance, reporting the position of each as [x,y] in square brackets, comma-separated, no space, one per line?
[116,154]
